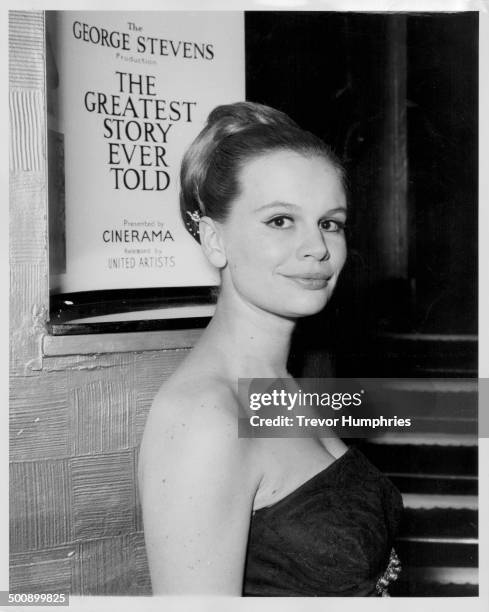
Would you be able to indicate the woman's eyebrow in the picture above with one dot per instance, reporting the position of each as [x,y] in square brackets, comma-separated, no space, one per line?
[277,203]
[290,206]
[337,210]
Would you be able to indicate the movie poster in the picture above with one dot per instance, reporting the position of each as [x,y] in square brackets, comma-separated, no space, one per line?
[127,93]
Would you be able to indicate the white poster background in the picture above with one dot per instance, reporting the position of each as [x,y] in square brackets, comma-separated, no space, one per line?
[98,215]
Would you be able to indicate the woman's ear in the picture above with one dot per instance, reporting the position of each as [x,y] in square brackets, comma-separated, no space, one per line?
[211,242]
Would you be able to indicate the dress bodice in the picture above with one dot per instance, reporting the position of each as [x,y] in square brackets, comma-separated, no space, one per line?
[332,536]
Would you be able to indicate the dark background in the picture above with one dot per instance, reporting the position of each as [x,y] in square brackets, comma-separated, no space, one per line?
[377,88]
[396,96]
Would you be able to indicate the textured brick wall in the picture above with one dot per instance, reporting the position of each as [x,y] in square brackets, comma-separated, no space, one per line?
[75,520]
[75,421]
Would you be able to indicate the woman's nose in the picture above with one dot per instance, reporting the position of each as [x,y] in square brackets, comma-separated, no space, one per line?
[314,245]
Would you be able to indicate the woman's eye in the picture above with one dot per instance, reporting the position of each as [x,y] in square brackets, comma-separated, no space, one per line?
[280,222]
[331,225]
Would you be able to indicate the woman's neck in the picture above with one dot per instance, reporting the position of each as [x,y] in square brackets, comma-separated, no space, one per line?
[245,341]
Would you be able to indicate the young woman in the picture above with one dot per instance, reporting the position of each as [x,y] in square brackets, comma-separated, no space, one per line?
[256,516]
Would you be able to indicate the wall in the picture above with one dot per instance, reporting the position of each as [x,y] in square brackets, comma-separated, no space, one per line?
[75,419]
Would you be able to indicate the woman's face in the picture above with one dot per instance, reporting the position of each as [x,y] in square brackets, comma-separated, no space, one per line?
[284,237]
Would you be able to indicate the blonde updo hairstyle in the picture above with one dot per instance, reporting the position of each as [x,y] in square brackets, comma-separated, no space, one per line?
[233,135]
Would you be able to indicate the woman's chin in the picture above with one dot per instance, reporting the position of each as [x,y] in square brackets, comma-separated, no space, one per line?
[306,306]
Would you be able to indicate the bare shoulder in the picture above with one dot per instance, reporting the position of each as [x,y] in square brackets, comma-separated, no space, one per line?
[189,396]
[194,422]
[197,483]
[181,408]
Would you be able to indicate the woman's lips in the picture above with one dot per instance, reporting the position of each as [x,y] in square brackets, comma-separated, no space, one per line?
[310,281]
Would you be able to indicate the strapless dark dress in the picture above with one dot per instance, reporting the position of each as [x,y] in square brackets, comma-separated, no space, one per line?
[331,537]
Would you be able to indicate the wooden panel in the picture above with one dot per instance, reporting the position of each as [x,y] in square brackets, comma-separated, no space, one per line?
[39,420]
[102,415]
[26,289]
[142,580]
[48,555]
[75,364]
[56,576]
[103,495]
[139,510]
[54,569]
[28,228]
[119,343]
[28,219]
[26,49]
[26,134]
[115,566]
[40,505]
[29,283]
[102,404]
[106,567]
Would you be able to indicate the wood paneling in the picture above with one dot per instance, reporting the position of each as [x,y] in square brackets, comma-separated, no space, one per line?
[102,415]
[27,137]
[104,497]
[51,570]
[39,419]
[41,504]
[106,567]
[141,585]
[26,47]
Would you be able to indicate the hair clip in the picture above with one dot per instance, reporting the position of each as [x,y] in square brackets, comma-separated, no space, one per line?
[193,224]
[194,215]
